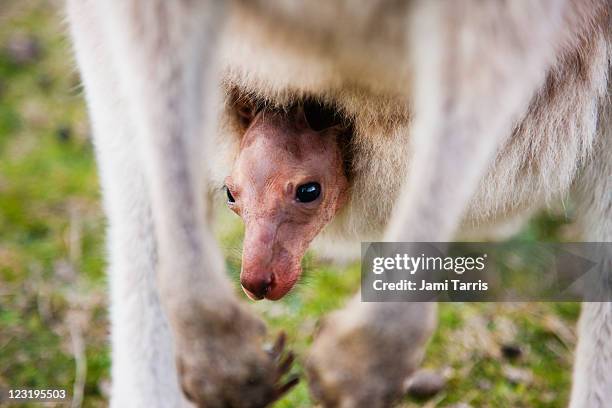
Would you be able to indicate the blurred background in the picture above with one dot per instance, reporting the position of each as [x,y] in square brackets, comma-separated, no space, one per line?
[54,330]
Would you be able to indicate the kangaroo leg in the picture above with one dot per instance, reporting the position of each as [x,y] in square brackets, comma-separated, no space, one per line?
[468,59]
[592,382]
[163,56]
[143,369]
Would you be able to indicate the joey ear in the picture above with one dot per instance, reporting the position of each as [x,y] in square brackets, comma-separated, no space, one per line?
[246,110]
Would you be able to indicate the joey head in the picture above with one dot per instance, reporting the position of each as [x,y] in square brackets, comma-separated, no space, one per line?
[287,183]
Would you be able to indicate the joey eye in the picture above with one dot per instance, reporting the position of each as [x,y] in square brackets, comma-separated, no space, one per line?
[308,192]
[230,197]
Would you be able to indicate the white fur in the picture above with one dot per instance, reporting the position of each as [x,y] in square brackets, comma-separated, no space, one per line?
[143,370]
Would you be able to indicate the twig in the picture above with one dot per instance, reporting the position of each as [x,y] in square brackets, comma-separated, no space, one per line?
[78,350]
[74,244]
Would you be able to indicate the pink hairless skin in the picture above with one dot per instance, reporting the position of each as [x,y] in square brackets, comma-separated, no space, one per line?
[287,183]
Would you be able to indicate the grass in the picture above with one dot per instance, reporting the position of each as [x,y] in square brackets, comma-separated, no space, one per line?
[52,282]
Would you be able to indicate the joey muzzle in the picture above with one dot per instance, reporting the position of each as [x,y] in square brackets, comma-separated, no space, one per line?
[270,267]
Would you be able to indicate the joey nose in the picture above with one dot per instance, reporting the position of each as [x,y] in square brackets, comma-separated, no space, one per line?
[257,286]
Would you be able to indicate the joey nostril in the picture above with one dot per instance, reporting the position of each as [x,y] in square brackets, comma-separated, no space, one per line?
[257,286]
